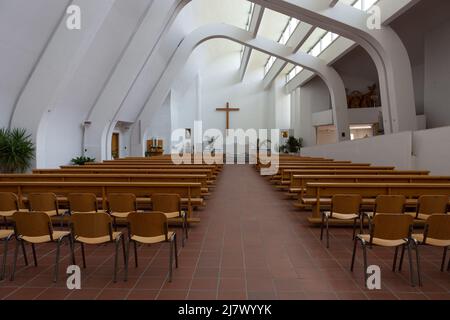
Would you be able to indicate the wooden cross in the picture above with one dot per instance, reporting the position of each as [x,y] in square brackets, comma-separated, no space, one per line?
[228,110]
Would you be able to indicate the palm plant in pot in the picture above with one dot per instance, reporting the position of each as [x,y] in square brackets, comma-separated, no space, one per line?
[16,150]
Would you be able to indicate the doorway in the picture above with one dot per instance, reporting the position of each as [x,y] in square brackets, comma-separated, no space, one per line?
[115,146]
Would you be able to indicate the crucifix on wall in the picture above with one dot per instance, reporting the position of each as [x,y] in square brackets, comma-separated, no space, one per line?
[227,109]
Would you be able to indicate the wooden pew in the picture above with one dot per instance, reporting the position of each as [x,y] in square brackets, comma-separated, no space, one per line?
[84,170]
[198,178]
[144,166]
[190,193]
[323,192]
[282,176]
[299,182]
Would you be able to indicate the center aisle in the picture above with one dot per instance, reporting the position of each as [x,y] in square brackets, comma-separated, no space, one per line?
[252,244]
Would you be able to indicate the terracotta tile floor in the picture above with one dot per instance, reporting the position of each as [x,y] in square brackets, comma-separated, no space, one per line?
[250,244]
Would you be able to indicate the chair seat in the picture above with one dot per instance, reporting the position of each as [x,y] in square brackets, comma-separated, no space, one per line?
[150,240]
[42,239]
[5,233]
[431,241]
[383,242]
[172,215]
[98,240]
[120,214]
[51,213]
[7,213]
[341,216]
[420,216]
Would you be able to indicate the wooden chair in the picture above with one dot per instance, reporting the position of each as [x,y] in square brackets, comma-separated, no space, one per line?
[36,228]
[436,234]
[45,202]
[343,207]
[95,229]
[9,204]
[82,202]
[387,230]
[120,205]
[5,235]
[430,204]
[170,205]
[151,228]
[386,204]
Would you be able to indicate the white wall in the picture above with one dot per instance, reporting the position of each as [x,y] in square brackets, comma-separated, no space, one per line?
[221,84]
[419,150]
[160,125]
[437,76]
[314,97]
[388,150]
[431,150]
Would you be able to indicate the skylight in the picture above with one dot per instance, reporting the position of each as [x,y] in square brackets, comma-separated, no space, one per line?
[284,38]
[329,37]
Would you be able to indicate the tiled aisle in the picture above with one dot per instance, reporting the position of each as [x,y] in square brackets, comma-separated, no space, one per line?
[250,244]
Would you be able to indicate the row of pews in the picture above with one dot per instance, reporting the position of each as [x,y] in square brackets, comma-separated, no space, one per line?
[139,176]
[313,182]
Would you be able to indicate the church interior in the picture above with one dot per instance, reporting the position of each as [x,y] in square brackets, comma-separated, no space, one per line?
[224,150]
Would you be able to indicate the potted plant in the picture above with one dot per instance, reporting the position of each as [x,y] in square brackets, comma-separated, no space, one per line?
[292,145]
[16,150]
[80,161]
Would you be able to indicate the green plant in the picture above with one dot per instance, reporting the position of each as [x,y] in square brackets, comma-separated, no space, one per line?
[292,145]
[16,150]
[81,160]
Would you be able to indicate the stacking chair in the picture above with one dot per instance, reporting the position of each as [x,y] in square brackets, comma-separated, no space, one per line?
[436,234]
[170,205]
[386,204]
[9,204]
[343,207]
[36,228]
[82,202]
[151,228]
[95,229]
[430,204]
[387,230]
[45,202]
[5,235]
[120,205]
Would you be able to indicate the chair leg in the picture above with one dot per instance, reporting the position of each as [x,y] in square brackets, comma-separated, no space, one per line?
[183,235]
[170,259]
[115,223]
[328,232]
[176,249]
[394,265]
[444,258]
[83,255]
[16,252]
[354,254]
[58,249]
[363,244]
[24,251]
[72,249]
[116,259]
[401,259]
[124,250]
[5,254]
[419,276]
[321,226]
[411,272]
[354,229]
[34,254]
[135,254]
[127,259]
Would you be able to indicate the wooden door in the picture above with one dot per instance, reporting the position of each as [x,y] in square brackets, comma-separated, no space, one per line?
[115,146]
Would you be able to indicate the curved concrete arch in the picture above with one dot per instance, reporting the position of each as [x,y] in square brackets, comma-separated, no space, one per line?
[214,31]
[383,45]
